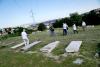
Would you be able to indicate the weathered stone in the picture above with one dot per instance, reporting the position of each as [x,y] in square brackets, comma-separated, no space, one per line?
[73,46]
[18,45]
[48,48]
[30,45]
[78,61]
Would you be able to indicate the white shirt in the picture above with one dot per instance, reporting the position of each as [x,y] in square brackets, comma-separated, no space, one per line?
[48,27]
[65,26]
[24,35]
[83,24]
[74,27]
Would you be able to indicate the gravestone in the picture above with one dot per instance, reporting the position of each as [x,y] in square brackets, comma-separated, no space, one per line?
[74,46]
[30,45]
[78,61]
[18,45]
[48,48]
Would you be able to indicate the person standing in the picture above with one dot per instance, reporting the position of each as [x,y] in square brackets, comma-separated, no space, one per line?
[25,37]
[65,28]
[51,29]
[83,25]
[75,28]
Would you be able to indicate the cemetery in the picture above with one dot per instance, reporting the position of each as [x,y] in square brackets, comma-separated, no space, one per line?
[49,33]
[82,46]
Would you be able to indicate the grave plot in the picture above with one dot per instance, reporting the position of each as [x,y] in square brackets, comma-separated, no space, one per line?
[3,46]
[48,48]
[25,48]
[74,46]
[18,45]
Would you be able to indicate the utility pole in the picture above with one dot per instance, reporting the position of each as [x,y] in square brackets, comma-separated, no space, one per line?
[32,15]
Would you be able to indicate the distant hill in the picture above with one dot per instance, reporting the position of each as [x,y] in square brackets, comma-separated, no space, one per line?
[31,25]
[49,21]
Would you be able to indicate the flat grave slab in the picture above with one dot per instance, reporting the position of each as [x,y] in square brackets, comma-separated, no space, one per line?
[48,48]
[30,45]
[74,46]
[18,45]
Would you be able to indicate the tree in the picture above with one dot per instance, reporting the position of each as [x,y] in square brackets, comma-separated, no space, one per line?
[59,22]
[76,18]
[18,30]
[92,17]
[1,31]
[41,27]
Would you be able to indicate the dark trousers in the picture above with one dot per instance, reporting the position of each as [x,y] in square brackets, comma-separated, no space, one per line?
[64,32]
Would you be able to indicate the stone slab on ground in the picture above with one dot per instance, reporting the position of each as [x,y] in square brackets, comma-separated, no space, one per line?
[30,45]
[78,61]
[18,45]
[74,46]
[31,52]
[48,48]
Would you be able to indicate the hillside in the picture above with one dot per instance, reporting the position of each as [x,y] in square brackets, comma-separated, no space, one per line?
[35,58]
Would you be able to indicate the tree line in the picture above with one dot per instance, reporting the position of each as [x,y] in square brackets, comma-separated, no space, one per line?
[91,18]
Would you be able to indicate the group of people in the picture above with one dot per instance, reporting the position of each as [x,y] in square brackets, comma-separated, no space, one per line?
[51,30]
[65,28]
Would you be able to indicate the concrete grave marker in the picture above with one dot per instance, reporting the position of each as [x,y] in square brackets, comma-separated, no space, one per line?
[18,45]
[48,48]
[30,45]
[74,46]
[78,61]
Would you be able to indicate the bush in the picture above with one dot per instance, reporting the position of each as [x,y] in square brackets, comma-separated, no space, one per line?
[41,27]
[59,22]
[18,30]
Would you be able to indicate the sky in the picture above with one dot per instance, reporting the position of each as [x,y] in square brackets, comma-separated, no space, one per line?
[18,12]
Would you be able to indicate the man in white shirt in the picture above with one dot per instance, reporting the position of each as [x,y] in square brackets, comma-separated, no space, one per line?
[83,25]
[65,28]
[24,37]
[75,28]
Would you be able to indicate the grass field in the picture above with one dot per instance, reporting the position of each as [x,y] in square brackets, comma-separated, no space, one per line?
[90,38]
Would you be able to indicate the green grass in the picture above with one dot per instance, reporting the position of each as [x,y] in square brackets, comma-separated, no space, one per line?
[90,38]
